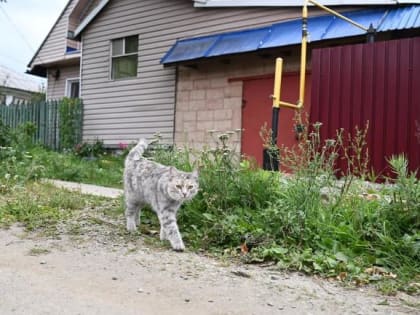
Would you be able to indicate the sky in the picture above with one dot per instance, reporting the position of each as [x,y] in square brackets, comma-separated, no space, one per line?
[23,26]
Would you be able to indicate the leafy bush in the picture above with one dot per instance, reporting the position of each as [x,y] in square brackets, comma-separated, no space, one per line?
[70,122]
[16,162]
[23,136]
[90,149]
[5,136]
[19,165]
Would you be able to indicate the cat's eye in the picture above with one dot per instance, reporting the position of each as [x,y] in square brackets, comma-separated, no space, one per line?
[190,187]
[179,186]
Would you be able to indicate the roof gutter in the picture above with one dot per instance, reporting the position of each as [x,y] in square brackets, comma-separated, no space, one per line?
[292,3]
[41,68]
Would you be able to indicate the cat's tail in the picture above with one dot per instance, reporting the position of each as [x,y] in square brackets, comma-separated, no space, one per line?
[137,152]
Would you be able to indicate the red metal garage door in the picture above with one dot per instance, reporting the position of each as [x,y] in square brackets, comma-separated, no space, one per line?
[257,110]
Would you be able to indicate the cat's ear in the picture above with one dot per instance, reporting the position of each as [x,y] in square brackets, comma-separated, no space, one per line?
[195,173]
[171,170]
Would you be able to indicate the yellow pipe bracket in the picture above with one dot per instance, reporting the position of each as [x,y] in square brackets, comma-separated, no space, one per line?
[279,61]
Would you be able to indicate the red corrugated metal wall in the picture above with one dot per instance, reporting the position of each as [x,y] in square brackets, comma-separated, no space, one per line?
[379,83]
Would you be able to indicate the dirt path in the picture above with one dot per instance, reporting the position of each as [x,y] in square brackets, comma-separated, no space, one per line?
[92,266]
[90,275]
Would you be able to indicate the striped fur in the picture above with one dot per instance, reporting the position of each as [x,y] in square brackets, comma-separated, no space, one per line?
[164,188]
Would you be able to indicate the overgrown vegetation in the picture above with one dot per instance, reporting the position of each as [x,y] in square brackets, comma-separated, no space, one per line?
[23,160]
[104,171]
[354,231]
[4,134]
[70,110]
[22,198]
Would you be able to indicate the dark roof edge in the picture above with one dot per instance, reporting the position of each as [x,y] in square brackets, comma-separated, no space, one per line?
[89,18]
[49,33]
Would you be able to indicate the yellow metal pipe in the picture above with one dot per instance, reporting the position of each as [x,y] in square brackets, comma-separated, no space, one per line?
[337,14]
[303,52]
[291,105]
[277,82]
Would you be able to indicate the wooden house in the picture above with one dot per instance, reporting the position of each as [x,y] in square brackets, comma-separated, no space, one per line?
[181,68]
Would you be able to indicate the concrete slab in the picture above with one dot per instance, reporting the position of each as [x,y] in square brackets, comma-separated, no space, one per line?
[87,188]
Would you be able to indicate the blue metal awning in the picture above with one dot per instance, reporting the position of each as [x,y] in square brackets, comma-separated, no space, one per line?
[289,33]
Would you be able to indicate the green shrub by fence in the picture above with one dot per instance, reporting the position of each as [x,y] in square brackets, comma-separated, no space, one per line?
[58,123]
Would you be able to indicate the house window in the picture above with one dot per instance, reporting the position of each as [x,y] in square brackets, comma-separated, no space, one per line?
[73,88]
[124,57]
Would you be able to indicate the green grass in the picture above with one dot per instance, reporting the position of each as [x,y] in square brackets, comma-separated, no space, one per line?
[105,171]
[281,218]
[41,206]
[38,163]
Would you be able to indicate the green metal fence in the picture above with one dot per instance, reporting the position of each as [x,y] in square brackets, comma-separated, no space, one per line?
[58,123]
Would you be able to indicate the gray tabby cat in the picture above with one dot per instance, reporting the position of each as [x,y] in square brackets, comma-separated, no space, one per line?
[164,188]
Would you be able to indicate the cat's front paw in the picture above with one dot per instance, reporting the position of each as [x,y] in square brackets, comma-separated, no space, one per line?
[178,247]
[163,235]
[131,226]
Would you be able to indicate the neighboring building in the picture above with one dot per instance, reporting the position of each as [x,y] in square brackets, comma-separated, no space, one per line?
[17,87]
[184,67]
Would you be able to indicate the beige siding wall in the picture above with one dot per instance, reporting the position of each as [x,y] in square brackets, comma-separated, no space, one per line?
[56,88]
[54,47]
[210,97]
[124,110]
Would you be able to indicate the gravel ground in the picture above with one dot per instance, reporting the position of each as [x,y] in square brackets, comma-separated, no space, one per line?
[92,267]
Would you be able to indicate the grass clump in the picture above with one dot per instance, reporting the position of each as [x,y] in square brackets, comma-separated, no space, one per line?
[39,206]
[22,198]
[105,170]
[38,251]
[22,160]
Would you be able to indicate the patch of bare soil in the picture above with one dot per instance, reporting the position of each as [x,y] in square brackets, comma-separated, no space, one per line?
[93,267]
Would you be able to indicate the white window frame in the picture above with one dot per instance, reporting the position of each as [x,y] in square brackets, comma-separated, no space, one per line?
[111,57]
[69,82]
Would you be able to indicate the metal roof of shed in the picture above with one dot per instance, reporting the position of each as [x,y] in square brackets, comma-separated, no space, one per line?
[11,79]
[289,33]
